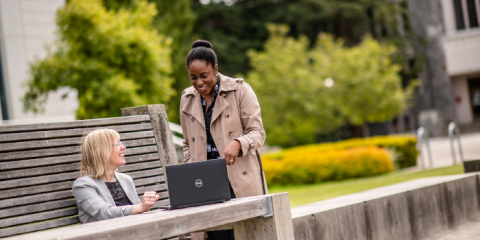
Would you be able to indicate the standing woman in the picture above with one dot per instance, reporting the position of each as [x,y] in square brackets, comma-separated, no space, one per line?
[221,118]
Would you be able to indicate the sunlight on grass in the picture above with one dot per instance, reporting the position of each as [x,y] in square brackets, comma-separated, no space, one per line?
[303,194]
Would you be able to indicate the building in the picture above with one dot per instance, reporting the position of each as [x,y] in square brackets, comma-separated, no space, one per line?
[448,36]
[26,27]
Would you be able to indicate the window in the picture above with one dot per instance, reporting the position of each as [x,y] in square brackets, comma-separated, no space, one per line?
[466,13]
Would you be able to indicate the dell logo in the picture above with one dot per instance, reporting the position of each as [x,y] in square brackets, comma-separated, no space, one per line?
[198,183]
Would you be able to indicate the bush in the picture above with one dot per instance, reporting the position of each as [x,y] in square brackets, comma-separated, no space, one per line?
[403,147]
[310,166]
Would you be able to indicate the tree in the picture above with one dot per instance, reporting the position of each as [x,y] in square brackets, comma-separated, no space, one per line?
[367,85]
[298,102]
[296,105]
[235,29]
[114,58]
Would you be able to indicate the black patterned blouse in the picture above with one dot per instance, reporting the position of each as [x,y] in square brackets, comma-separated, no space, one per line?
[212,151]
[118,194]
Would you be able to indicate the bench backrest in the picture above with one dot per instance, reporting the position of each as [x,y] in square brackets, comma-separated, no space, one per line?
[39,163]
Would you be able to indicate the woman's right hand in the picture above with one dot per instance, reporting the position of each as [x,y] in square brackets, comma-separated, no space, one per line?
[148,200]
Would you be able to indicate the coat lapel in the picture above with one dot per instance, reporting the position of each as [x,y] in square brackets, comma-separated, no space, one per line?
[227,86]
[193,106]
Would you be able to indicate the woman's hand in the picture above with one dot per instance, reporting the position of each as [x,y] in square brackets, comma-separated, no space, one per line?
[231,152]
[148,200]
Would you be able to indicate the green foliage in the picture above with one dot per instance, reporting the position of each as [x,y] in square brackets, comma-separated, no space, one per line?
[114,58]
[367,86]
[289,80]
[176,19]
[404,148]
[310,167]
[233,30]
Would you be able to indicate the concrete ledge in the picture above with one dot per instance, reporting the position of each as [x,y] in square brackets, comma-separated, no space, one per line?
[411,210]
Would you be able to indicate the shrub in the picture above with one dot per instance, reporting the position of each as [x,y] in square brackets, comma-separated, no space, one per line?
[310,166]
[404,148]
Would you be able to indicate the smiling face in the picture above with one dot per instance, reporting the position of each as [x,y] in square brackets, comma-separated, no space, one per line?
[117,157]
[202,77]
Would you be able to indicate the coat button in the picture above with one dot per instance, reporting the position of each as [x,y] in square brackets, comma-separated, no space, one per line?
[224,95]
[244,172]
[193,139]
[227,115]
[193,119]
[230,133]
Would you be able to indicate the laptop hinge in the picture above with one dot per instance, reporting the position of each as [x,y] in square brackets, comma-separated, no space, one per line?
[202,203]
[269,207]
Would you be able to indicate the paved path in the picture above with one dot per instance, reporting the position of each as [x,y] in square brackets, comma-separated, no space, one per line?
[466,231]
[442,154]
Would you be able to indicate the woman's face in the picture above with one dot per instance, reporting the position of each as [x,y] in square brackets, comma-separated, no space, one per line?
[202,77]
[117,157]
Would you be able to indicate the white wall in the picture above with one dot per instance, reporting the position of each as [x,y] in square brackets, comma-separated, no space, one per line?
[448,16]
[26,26]
[463,109]
[462,52]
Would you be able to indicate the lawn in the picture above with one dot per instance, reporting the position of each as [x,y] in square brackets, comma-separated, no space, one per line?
[303,194]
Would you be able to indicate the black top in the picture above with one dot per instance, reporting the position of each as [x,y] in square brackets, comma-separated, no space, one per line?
[118,194]
[212,151]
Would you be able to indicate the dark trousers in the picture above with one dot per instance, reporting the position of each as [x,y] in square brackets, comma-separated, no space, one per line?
[223,234]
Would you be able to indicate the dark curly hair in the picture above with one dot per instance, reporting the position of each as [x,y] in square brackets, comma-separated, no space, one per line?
[202,50]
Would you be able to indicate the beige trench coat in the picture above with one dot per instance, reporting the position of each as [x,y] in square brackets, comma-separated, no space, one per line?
[236,116]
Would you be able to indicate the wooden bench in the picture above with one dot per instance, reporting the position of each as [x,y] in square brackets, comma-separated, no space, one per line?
[266,217]
[39,162]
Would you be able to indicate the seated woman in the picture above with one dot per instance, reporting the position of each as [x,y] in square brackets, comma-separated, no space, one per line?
[104,193]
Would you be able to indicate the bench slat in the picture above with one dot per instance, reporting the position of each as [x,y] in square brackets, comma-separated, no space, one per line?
[139,166]
[39,180]
[18,192]
[67,159]
[34,208]
[8,222]
[38,226]
[156,188]
[151,180]
[39,171]
[38,198]
[75,124]
[58,142]
[65,151]
[69,133]
[146,173]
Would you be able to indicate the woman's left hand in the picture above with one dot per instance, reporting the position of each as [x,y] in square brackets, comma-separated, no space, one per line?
[231,152]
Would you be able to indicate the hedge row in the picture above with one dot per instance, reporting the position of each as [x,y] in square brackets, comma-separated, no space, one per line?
[310,166]
[403,147]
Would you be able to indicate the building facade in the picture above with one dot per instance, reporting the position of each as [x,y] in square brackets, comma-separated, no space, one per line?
[26,27]
[447,35]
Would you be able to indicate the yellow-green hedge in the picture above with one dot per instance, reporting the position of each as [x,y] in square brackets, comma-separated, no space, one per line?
[310,166]
[403,147]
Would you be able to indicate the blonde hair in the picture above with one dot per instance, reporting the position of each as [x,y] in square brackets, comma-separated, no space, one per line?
[96,151]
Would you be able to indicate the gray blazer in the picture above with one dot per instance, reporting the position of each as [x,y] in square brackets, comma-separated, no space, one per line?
[95,202]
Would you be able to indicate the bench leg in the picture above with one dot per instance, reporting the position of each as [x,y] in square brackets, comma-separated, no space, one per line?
[277,227]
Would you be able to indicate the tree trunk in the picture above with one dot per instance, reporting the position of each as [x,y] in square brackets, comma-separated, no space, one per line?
[365,130]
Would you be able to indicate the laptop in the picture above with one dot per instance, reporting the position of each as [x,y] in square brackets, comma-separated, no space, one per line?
[198,183]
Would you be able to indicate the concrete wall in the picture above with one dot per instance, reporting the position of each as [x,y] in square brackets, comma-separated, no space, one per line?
[410,210]
[25,27]
[462,52]
[448,16]
[463,107]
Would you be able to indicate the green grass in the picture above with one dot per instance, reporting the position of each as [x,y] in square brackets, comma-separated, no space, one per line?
[303,194]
